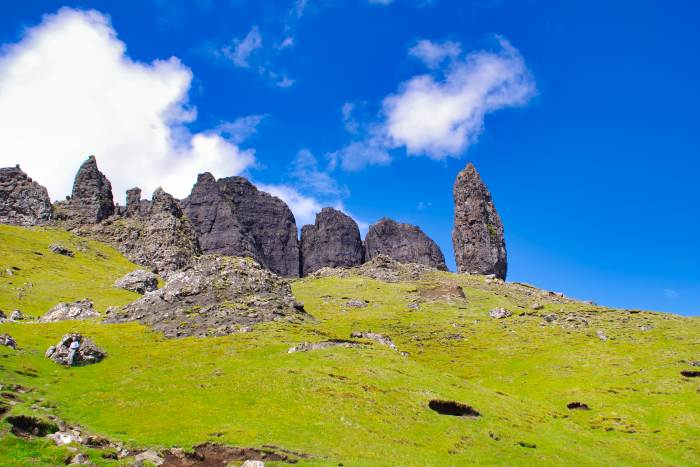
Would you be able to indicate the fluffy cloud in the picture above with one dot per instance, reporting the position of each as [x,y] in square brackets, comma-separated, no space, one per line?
[306,171]
[433,53]
[442,113]
[68,90]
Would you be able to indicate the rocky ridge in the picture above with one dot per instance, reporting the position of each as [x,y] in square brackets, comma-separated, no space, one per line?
[22,200]
[404,243]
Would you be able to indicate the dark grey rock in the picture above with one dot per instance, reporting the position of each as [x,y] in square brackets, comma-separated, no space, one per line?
[8,341]
[404,243]
[232,217]
[82,309]
[22,200]
[60,250]
[87,354]
[333,241]
[138,281]
[216,296]
[477,237]
[91,200]
[135,206]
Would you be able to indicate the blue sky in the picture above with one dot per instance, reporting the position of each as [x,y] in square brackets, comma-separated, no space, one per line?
[589,144]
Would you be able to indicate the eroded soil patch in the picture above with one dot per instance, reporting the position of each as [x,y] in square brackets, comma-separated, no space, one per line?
[25,426]
[214,455]
[691,373]
[577,406]
[443,292]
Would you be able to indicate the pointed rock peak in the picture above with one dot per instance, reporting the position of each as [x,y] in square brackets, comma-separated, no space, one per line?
[161,201]
[205,177]
[404,243]
[92,199]
[477,237]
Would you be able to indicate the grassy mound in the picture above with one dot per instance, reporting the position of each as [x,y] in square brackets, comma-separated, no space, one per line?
[371,404]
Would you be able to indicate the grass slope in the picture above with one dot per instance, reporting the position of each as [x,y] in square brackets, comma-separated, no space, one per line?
[368,406]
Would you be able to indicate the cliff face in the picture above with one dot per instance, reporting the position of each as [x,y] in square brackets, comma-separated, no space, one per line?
[404,243]
[477,236]
[332,241]
[232,217]
[91,200]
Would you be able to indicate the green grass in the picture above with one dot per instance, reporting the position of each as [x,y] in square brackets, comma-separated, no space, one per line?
[41,279]
[368,406]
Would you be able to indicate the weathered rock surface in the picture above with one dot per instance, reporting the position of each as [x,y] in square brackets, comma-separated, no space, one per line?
[138,281]
[88,353]
[60,250]
[232,217]
[91,200]
[500,313]
[309,346]
[333,241]
[22,200]
[404,243]
[82,309]
[160,238]
[8,341]
[381,268]
[216,296]
[136,206]
[16,315]
[477,237]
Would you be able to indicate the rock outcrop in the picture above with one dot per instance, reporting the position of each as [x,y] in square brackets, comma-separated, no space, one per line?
[91,200]
[8,341]
[138,281]
[478,240]
[82,309]
[232,217]
[381,268]
[22,200]
[333,241]
[218,295]
[87,354]
[404,243]
[158,235]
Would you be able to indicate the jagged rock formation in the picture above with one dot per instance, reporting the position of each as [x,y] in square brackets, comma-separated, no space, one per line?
[88,353]
[161,237]
[404,243]
[82,309]
[232,217]
[138,281]
[91,200]
[218,295]
[333,241]
[477,237]
[136,206]
[22,200]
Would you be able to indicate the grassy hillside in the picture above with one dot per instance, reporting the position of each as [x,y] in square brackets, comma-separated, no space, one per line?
[367,405]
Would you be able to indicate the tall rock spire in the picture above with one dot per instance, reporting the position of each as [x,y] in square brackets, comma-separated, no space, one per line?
[92,199]
[477,236]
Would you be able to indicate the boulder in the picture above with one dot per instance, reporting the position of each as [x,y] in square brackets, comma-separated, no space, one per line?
[138,281]
[500,313]
[79,310]
[16,315]
[91,200]
[22,200]
[8,341]
[404,243]
[477,237]
[333,241]
[87,354]
[232,217]
[217,295]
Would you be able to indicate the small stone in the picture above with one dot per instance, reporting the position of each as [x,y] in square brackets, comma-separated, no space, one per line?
[79,310]
[149,456]
[646,327]
[17,315]
[549,318]
[601,335]
[250,463]
[80,459]
[356,303]
[536,306]
[64,437]
[500,313]
[61,250]
[413,306]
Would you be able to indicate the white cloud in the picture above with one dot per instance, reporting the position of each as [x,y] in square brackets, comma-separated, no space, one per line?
[441,114]
[242,49]
[240,129]
[349,122]
[433,53]
[68,90]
